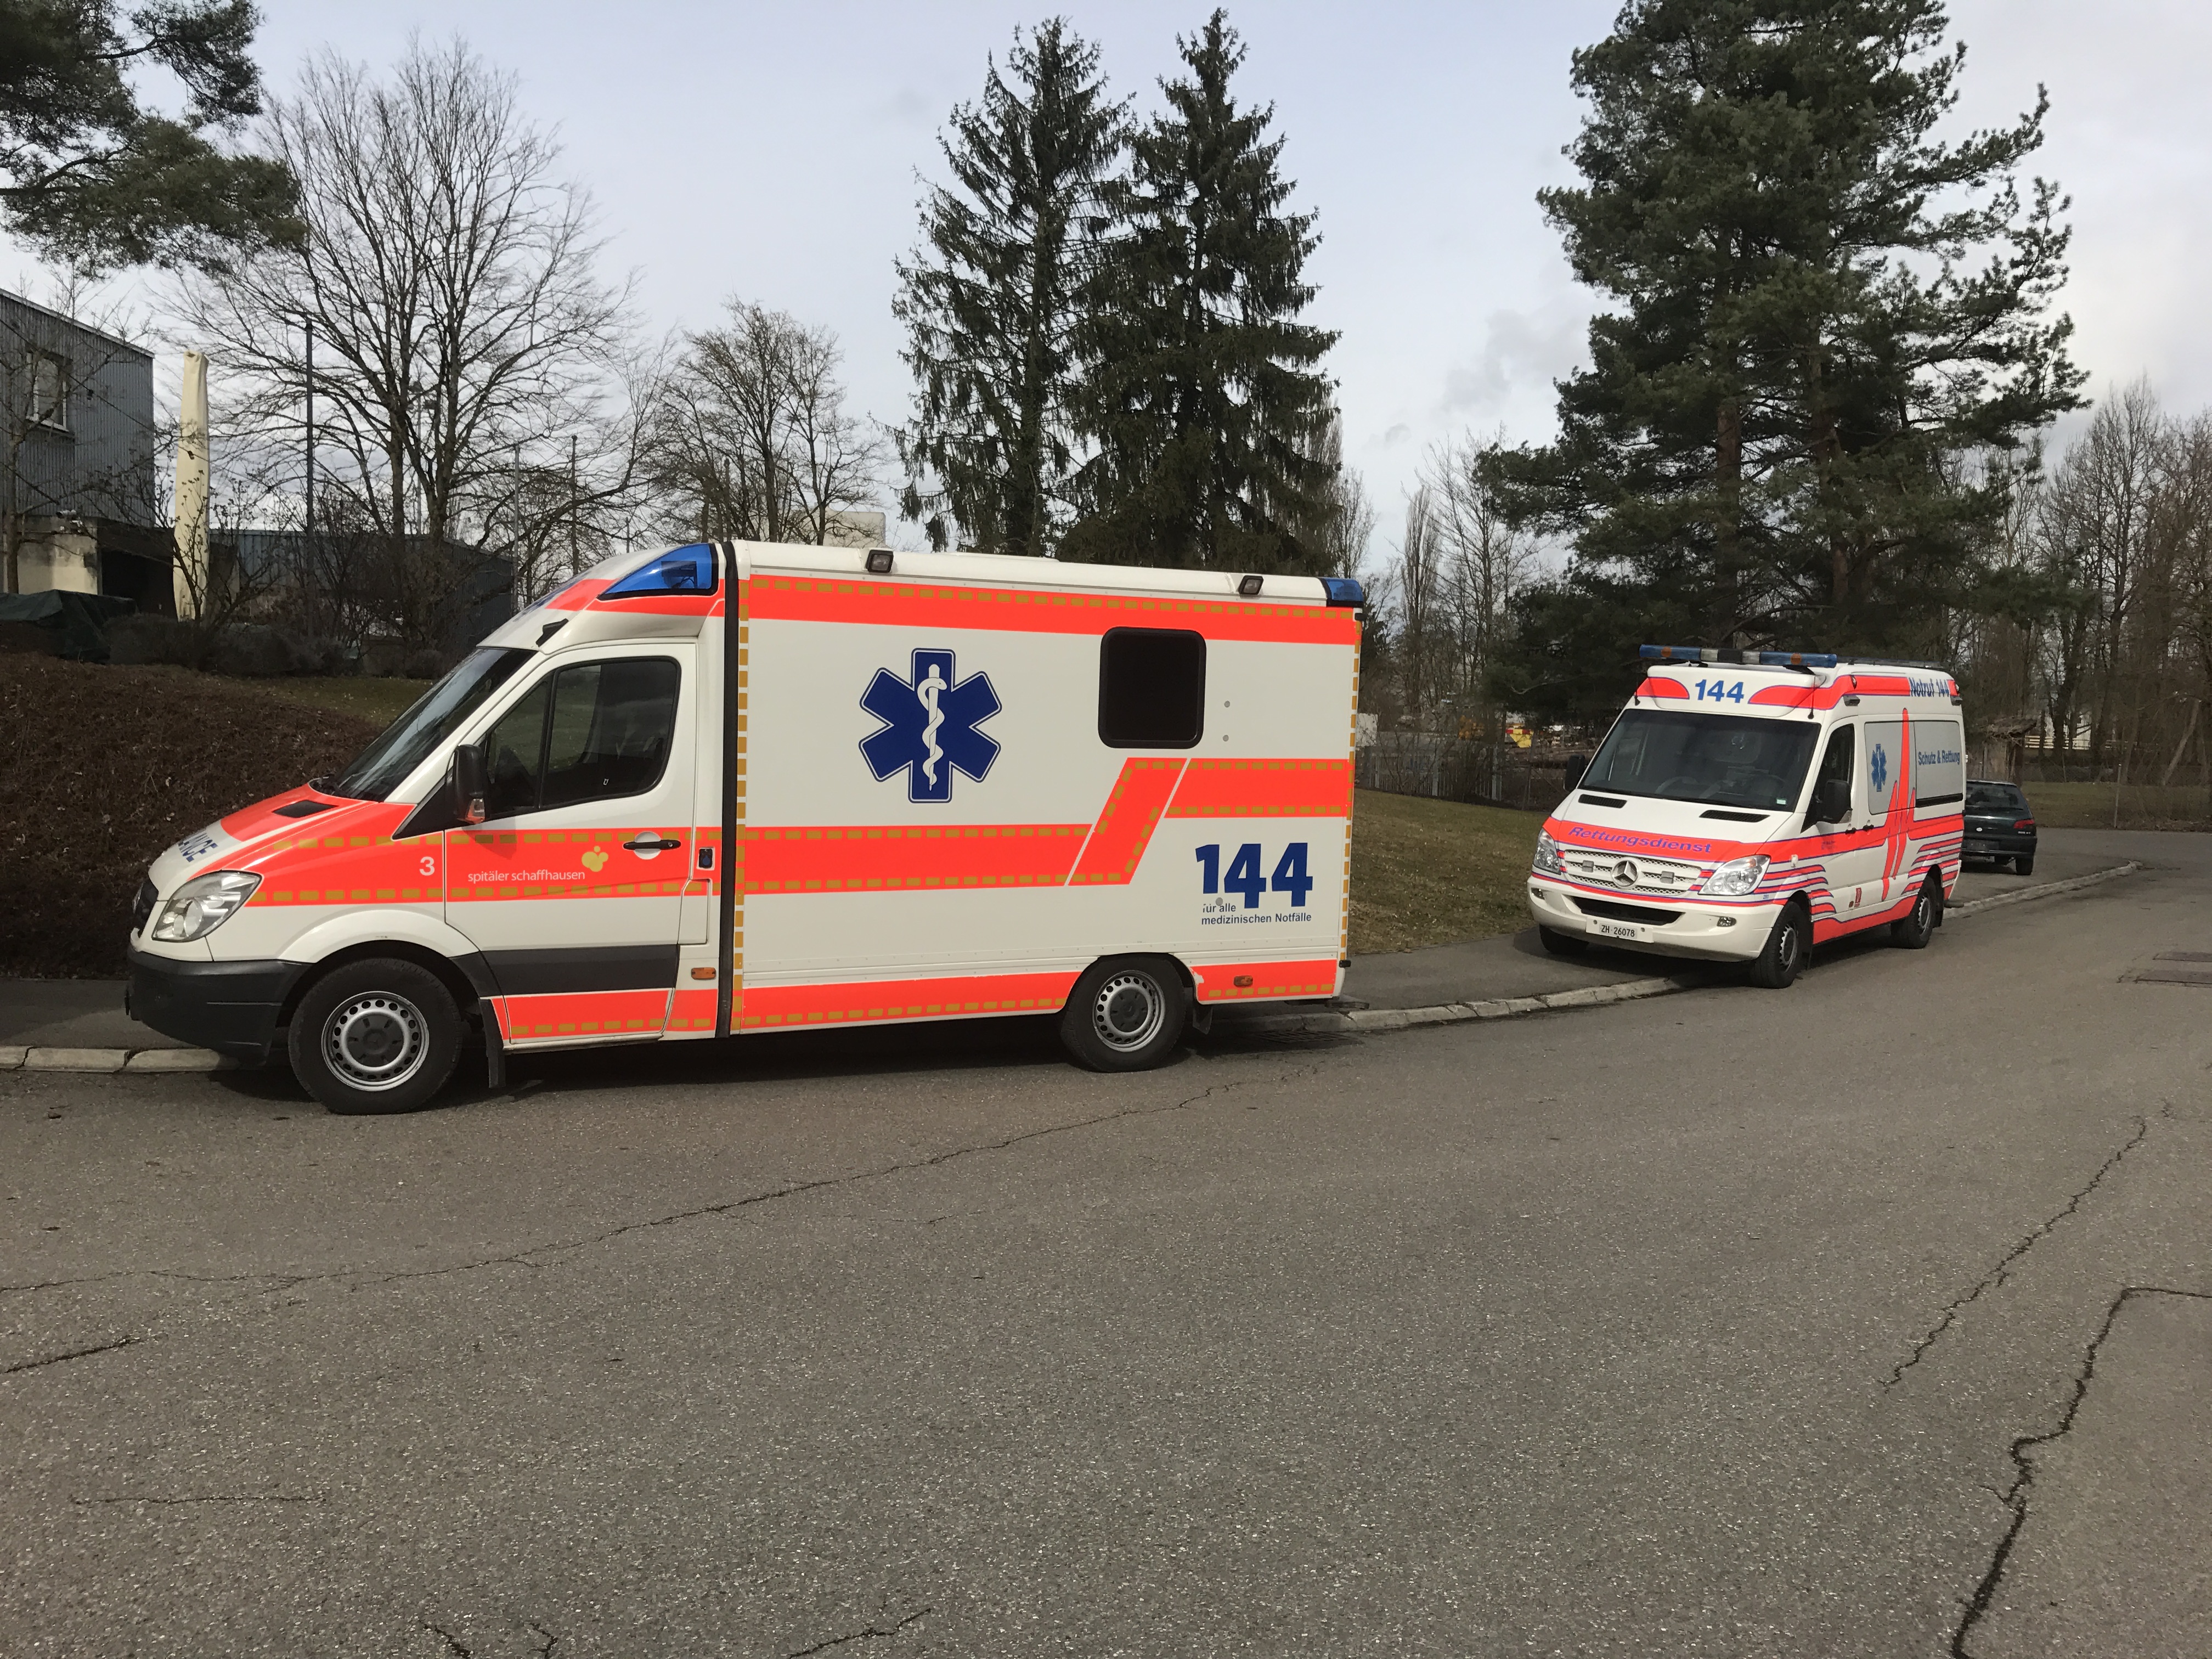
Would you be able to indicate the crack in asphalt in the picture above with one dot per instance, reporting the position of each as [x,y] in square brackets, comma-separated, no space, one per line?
[2002,1271]
[547,1636]
[73,1353]
[2015,1497]
[452,1641]
[523,1258]
[797,1189]
[873,1633]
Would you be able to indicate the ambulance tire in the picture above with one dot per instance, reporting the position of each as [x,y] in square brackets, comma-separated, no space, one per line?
[1563,944]
[1125,1014]
[1776,968]
[1919,924]
[375,1036]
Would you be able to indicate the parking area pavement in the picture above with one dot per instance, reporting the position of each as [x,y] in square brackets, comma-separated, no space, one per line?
[1848,1319]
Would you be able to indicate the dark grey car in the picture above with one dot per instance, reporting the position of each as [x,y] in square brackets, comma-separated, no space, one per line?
[2000,825]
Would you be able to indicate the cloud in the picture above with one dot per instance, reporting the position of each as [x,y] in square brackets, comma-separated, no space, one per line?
[1520,353]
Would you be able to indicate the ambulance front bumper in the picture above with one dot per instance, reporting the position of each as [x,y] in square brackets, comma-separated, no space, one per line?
[1681,927]
[231,1007]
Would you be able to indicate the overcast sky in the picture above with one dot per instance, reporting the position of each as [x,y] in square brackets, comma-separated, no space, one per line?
[770,152]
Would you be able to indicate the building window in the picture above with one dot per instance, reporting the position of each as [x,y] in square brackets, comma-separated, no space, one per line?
[49,391]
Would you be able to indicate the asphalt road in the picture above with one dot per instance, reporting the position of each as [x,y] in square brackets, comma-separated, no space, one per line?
[1870,1317]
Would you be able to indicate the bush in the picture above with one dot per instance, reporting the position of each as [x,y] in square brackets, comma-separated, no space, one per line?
[102,768]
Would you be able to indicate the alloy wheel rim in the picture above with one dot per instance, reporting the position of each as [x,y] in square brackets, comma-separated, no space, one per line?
[376,1040]
[1128,1012]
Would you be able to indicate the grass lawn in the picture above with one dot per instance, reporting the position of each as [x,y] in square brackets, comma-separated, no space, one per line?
[380,700]
[2143,806]
[1429,872]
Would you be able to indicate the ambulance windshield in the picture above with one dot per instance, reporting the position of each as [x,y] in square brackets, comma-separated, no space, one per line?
[1720,760]
[384,764]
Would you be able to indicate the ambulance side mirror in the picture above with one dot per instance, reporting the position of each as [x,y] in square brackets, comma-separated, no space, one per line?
[469,783]
[1576,765]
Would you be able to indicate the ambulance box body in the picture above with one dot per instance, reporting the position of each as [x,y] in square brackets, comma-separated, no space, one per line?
[1747,810]
[739,788]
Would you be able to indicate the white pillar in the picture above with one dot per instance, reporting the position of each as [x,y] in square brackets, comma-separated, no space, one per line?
[192,505]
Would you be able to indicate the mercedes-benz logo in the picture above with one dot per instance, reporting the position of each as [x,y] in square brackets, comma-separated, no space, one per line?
[1624,873]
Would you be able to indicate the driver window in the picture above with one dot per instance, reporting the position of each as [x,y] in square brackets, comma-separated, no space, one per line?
[1836,772]
[515,755]
[590,731]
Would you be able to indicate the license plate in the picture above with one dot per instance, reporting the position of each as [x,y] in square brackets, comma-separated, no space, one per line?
[1622,930]
[1981,847]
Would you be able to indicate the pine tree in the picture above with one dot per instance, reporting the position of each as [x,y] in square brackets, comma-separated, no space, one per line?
[1822,316]
[94,178]
[989,301]
[1204,399]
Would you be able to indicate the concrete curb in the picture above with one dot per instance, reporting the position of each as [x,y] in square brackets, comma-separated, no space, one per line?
[1337,1023]
[16,1058]
[1334,1023]
[2020,896]
[1328,1023]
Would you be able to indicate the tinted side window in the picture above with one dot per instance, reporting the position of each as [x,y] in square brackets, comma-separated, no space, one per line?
[1836,766]
[514,755]
[594,731]
[1151,688]
[610,730]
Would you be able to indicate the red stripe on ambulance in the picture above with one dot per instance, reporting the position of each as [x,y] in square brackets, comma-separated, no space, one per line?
[910,605]
[782,1005]
[876,857]
[1265,789]
[1125,827]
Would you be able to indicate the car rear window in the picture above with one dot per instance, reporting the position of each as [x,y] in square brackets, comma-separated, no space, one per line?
[1995,797]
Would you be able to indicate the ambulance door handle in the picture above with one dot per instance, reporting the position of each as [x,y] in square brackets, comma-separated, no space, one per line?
[651,844]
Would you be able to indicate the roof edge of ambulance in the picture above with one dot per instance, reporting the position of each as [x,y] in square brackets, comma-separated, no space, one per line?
[1015,570]
[527,627]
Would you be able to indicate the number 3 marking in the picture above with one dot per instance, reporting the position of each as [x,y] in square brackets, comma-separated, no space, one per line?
[430,866]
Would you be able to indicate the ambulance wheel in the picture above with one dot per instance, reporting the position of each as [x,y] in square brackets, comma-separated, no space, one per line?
[1562,945]
[1919,924]
[1776,967]
[375,1036]
[1127,1014]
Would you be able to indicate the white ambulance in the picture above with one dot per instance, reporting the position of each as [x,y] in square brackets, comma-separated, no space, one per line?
[1746,807]
[736,788]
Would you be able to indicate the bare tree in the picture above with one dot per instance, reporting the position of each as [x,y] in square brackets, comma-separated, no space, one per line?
[467,354]
[753,440]
[1420,591]
[1485,561]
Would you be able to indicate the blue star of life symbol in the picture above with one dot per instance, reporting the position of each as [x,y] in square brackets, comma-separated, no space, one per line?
[929,725]
[1880,766]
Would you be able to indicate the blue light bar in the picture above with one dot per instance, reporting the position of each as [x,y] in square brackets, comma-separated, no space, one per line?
[1798,659]
[1342,590]
[1679,652]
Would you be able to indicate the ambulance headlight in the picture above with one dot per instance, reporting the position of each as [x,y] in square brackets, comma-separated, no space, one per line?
[202,904]
[1735,877]
[1548,861]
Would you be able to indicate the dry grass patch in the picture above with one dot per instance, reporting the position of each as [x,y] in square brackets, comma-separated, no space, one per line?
[1429,872]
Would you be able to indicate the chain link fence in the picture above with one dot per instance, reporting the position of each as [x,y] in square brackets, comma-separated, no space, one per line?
[1448,768]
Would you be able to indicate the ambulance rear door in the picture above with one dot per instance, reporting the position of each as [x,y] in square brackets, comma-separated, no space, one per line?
[573,886]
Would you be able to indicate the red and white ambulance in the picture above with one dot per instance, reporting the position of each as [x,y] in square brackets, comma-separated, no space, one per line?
[735,788]
[1748,805]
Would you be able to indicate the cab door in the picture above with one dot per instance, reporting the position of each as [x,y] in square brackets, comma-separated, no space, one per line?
[572,887]
[1848,850]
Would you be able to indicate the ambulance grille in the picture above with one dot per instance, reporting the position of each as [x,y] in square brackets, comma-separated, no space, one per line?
[1613,912]
[1630,873]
